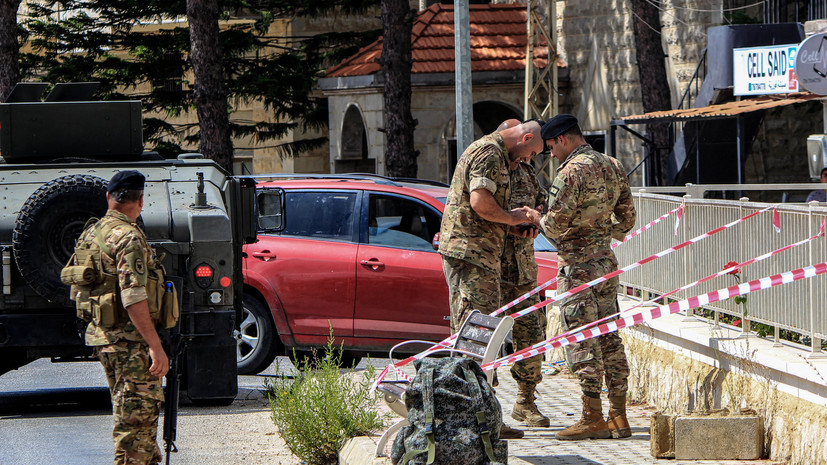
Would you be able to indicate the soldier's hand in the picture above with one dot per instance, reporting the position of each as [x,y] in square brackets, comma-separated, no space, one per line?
[160,362]
[533,215]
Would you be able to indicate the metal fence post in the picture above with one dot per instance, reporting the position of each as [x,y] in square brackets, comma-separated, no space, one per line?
[815,343]
[745,324]
[690,312]
[641,219]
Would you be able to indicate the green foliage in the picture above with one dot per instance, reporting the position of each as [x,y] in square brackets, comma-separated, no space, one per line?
[124,45]
[739,17]
[320,408]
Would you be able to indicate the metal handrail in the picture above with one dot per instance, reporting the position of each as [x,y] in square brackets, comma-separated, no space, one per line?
[687,94]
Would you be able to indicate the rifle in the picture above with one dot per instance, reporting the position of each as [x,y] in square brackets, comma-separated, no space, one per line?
[172,391]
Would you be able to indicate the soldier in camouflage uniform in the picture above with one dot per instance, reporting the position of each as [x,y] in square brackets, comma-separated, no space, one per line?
[518,277]
[130,350]
[475,221]
[590,203]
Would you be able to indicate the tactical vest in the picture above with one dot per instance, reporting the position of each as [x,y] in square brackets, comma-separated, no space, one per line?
[97,294]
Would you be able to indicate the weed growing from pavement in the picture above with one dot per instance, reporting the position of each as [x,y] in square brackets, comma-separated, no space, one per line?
[321,407]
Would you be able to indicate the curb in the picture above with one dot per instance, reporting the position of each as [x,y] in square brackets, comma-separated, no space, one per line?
[359,451]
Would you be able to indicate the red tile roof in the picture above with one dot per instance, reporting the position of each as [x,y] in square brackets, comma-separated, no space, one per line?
[498,42]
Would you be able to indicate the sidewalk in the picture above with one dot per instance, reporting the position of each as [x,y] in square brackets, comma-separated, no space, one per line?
[559,398]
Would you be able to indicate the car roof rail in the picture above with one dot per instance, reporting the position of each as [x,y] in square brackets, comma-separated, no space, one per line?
[354,176]
[377,178]
[421,181]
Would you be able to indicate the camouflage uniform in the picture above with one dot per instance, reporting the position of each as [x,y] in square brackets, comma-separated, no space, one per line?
[136,395]
[590,203]
[519,276]
[471,246]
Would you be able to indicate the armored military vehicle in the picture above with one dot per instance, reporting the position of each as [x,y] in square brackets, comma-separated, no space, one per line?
[59,153]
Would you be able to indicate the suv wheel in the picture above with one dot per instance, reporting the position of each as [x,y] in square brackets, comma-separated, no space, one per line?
[256,342]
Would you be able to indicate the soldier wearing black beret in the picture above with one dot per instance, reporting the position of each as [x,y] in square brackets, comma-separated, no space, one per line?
[124,337]
[126,186]
[590,203]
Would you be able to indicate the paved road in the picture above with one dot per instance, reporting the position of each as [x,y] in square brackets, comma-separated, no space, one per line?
[60,414]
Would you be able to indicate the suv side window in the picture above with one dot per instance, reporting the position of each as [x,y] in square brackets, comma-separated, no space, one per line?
[321,215]
[399,222]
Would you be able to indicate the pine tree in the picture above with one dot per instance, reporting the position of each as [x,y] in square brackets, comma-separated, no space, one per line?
[142,50]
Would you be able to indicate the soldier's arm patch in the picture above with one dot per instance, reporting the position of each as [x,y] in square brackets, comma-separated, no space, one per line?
[136,262]
[558,187]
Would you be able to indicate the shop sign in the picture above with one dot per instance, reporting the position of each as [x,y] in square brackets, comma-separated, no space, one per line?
[764,70]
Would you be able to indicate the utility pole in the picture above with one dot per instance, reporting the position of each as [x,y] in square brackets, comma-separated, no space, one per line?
[462,75]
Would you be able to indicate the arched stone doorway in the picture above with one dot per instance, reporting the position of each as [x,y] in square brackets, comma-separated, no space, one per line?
[354,156]
[487,117]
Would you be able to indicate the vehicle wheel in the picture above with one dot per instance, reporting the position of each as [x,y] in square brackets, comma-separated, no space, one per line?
[257,341]
[305,358]
[47,227]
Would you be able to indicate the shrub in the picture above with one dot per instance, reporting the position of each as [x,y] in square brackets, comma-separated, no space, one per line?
[320,408]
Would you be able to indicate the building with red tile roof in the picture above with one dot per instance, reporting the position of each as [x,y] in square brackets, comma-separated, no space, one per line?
[354,88]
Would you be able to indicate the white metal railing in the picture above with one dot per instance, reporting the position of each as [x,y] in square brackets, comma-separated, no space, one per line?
[800,307]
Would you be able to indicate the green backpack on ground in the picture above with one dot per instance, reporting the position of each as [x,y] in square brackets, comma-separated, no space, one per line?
[454,414]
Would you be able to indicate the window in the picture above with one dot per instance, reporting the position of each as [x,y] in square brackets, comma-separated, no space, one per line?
[400,222]
[322,215]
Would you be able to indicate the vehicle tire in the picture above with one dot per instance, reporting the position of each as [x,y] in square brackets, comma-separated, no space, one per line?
[47,227]
[257,341]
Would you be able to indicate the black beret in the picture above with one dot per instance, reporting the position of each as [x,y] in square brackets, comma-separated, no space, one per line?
[558,125]
[129,179]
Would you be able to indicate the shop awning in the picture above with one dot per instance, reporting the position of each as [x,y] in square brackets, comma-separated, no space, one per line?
[721,110]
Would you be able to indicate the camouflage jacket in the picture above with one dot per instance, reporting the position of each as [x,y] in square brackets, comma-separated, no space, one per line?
[464,234]
[590,202]
[518,264]
[130,263]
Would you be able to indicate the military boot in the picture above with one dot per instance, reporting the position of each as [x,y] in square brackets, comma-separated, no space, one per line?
[507,432]
[617,422]
[591,426]
[525,409]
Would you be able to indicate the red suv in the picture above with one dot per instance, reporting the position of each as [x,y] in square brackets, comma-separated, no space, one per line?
[354,257]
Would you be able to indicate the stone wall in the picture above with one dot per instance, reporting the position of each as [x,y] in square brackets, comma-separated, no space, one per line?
[596,41]
[779,152]
[794,429]
[433,108]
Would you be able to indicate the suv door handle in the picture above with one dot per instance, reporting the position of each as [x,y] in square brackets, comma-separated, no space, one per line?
[265,255]
[374,263]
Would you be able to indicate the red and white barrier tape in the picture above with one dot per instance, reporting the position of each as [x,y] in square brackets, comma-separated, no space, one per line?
[638,263]
[644,228]
[614,245]
[657,312]
[447,342]
[723,272]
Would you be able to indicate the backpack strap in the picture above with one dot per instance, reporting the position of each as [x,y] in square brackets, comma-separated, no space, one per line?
[100,232]
[428,406]
[476,396]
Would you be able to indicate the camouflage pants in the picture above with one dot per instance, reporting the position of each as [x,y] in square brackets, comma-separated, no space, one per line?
[600,357]
[136,402]
[470,287]
[528,330]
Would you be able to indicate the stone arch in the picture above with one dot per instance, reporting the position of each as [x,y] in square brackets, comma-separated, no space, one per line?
[488,114]
[355,151]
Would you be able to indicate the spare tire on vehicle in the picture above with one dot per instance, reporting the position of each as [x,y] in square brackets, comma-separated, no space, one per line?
[47,227]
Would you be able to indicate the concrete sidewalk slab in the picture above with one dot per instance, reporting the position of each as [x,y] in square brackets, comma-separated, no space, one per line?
[559,398]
